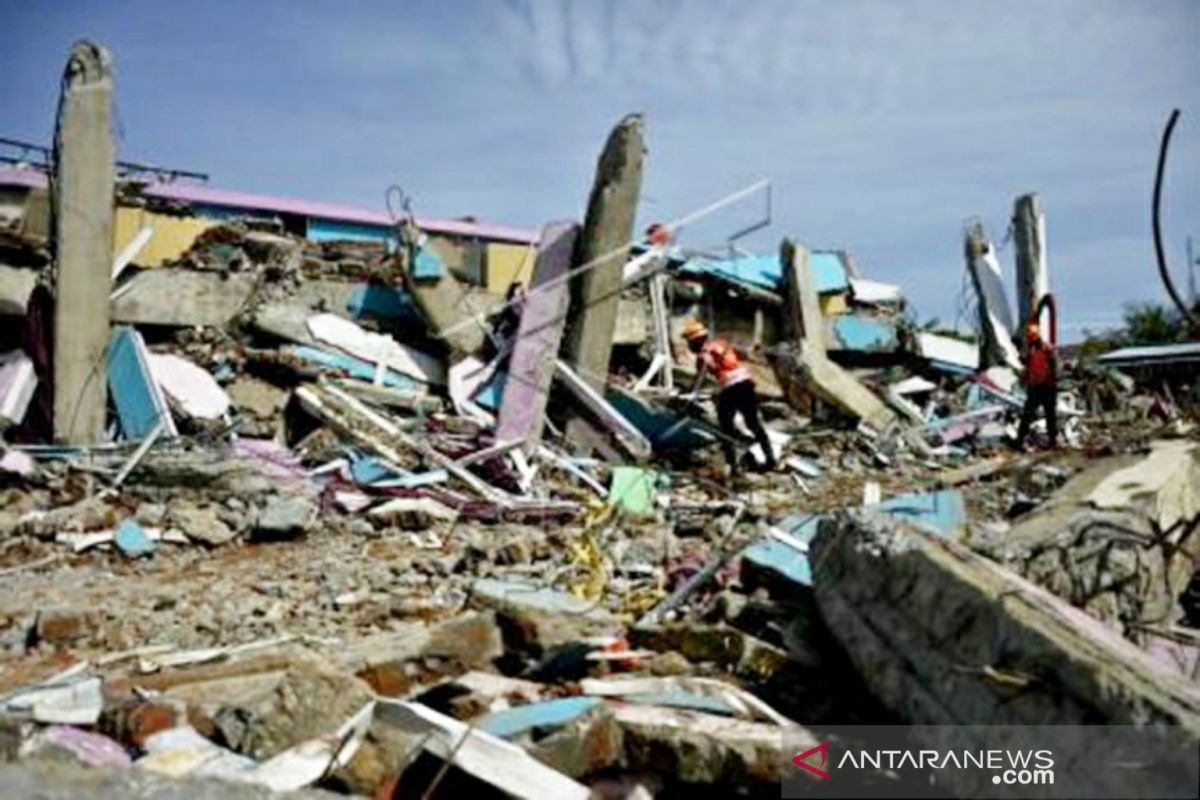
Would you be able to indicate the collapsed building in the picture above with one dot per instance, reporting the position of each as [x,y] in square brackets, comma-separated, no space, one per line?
[284,509]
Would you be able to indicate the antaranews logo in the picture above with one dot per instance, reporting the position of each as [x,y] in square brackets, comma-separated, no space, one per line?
[1009,767]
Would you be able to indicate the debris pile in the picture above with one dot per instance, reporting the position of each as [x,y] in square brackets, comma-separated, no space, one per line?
[352,520]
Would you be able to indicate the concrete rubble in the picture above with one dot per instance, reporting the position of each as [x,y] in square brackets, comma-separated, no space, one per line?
[361,517]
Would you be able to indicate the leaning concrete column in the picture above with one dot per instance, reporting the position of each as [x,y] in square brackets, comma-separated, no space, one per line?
[1029,235]
[607,228]
[84,173]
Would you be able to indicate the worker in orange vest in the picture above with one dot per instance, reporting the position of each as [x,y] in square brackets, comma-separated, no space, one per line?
[737,391]
[1040,380]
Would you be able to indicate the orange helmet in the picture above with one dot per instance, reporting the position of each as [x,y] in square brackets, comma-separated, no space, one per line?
[1032,332]
[694,330]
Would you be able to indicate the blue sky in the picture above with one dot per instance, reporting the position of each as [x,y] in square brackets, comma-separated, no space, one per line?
[883,125]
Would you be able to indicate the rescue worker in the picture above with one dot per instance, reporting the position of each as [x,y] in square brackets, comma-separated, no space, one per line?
[1040,380]
[736,395]
[504,323]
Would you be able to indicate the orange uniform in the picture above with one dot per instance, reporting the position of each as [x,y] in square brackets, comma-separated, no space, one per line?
[722,360]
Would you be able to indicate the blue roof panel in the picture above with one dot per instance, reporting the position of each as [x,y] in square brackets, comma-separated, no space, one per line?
[765,272]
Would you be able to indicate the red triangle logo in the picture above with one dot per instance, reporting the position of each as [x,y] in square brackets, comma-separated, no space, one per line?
[800,761]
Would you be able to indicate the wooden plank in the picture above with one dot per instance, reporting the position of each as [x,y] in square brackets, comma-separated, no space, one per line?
[522,414]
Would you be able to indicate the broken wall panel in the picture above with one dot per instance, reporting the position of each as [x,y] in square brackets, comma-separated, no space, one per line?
[995,316]
[530,370]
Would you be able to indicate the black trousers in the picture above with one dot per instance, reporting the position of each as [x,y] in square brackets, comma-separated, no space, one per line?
[740,399]
[1045,398]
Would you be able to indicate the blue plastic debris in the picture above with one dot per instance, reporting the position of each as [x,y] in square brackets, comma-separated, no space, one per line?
[365,470]
[490,393]
[548,714]
[132,540]
[385,303]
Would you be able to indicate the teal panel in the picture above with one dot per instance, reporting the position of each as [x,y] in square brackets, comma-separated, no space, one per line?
[863,334]
[546,714]
[765,272]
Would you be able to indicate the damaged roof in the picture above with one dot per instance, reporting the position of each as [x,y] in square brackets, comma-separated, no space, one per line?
[204,195]
[765,272]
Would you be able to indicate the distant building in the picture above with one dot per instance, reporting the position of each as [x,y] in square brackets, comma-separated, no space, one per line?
[491,256]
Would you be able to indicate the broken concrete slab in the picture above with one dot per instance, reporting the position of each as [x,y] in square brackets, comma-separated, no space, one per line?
[802,319]
[76,700]
[284,517]
[945,636]
[76,746]
[183,297]
[262,714]
[695,747]
[499,763]
[200,524]
[539,618]
[50,780]
[1118,539]
[801,364]
[455,311]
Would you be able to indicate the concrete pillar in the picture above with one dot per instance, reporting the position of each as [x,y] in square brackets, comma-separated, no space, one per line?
[84,174]
[1029,236]
[802,305]
[607,228]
